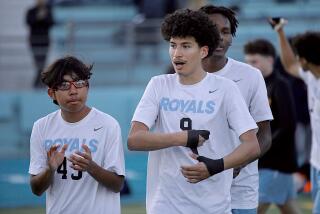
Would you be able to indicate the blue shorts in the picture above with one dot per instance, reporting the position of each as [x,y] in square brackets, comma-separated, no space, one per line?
[244,211]
[315,185]
[275,187]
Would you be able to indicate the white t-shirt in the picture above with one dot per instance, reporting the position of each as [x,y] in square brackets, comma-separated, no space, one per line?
[71,191]
[214,104]
[313,85]
[244,189]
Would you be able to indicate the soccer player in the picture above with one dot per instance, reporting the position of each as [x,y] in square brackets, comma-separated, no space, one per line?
[244,189]
[306,66]
[180,109]
[76,152]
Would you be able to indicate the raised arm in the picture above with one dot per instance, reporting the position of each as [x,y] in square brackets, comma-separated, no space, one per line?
[287,56]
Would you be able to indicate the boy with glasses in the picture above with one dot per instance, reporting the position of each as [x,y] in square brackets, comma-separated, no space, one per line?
[76,152]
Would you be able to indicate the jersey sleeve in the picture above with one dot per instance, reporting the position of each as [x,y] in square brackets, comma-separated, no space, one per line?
[238,115]
[114,158]
[148,107]
[259,105]
[38,154]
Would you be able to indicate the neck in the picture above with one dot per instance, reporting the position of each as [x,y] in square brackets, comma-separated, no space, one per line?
[191,80]
[73,117]
[214,63]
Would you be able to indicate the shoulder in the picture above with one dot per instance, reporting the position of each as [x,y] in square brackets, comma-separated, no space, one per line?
[307,76]
[42,122]
[162,82]
[245,70]
[163,78]
[221,82]
[105,118]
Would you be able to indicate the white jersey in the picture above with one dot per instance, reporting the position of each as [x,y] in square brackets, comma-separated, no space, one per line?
[73,191]
[313,85]
[245,187]
[213,104]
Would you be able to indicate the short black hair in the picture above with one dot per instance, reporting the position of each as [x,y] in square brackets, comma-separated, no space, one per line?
[227,12]
[185,22]
[307,45]
[53,75]
[260,46]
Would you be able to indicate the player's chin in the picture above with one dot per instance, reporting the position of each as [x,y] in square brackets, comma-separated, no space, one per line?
[219,53]
[74,106]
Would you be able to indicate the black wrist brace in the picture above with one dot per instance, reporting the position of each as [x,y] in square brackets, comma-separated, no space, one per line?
[213,166]
[193,137]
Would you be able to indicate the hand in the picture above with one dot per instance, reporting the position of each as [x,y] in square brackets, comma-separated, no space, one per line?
[278,26]
[196,138]
[195,173]
[81,161]
[56,158]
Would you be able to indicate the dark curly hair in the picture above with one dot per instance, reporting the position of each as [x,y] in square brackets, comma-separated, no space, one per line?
[53,75]
[185,22]
[260,46]
[307,45]
[227,12]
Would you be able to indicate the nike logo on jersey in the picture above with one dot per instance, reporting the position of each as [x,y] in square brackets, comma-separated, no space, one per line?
[96,129]
[237,80]
[210,92]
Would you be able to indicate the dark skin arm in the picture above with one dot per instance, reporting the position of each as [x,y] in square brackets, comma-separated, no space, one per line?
[265,140]
[264,136]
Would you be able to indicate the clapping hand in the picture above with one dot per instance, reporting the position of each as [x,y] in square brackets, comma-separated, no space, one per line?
[55,158]
[81,161]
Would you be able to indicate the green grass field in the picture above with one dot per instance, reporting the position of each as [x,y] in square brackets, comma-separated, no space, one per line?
[304,203]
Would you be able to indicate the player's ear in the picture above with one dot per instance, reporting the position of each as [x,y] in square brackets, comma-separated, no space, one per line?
[51,93]
[204,51]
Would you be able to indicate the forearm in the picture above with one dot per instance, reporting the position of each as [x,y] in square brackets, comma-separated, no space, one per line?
[287,55]
[247,152]
[147,141]
[264,136]
[40,183]
[107,178]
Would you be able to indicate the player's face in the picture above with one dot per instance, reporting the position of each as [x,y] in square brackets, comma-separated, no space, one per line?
[186,55]
[263,63]
[224,27]
[71,94]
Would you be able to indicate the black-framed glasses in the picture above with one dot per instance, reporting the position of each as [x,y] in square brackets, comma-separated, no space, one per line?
[66,85]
